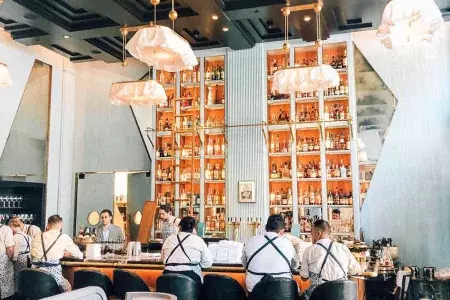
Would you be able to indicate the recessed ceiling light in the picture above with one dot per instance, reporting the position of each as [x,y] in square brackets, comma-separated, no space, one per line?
[215,17]
[307,18]
[67,37]
[96,52]
[225,29]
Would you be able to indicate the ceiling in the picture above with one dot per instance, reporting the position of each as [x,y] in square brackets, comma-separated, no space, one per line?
[93,25]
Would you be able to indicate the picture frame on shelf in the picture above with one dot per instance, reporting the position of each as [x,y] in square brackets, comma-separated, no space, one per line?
[246,192]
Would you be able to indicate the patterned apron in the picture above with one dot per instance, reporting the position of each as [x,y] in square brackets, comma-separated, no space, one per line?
[6,277]
[52,266]
[269,275]
[316,279]
[168,229]
[22,262]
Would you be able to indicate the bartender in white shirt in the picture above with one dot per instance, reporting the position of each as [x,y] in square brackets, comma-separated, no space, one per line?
[21,249]
[48,248]
[269,255]
[30,230]
[326,260]
[186,253]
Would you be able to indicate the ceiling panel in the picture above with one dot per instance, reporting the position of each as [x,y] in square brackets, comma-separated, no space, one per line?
[92,26]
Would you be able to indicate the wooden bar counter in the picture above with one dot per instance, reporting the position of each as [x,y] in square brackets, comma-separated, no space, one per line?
[149,272]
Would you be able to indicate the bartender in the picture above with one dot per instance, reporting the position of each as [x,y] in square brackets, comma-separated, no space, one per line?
[326,260]
[169,223]
[48,248]
[22,249]
[6,265]
[30,230]
[186,253]
[108,232]
[269,255]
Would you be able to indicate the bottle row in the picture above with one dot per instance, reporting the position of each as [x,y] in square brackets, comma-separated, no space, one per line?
[333,142]
[215,222]
[310,170]
[281,197]
[166,124]
[313,196]
[215,173]
[214,198]
[215,148]
[217,73]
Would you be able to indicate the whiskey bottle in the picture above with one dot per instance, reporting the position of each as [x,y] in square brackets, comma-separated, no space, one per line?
[222,73]
[289,197]
[347,145]
[328,142]
[277,144]
[223,172]
[210,148]
[318,197]
[272,197]
[216,174]
[208,172]
[159,173]
[217,148]
[343,170]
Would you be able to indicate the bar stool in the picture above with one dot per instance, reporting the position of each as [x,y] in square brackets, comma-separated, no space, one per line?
[275,289]
[85,278]
[125,281]
[336,290]
[179,285]
[219,287]
[37,284]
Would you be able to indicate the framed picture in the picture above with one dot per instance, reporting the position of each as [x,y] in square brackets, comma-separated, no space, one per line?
[246,192]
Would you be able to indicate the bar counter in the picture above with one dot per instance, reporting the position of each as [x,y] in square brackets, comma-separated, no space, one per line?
[149,270]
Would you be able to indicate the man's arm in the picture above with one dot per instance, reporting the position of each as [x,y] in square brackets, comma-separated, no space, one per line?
[206,258]
[71,248]
[304,272]
[295,262]
[354,267]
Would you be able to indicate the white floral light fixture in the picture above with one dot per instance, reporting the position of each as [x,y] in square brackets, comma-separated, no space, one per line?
[5,77]
[409,22]
[160,46]
[304,79]
[146,92]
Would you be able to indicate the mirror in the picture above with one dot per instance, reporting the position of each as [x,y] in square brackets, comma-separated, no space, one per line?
[93,218]
[137,218]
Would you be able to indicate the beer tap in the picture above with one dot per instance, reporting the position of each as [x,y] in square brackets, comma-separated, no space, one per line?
[254,225]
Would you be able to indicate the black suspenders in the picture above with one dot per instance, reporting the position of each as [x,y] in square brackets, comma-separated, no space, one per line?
[180,244]
[27,250]
[329,254]
[48,249]
[269,241]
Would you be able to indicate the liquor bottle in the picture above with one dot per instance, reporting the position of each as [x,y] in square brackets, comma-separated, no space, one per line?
[346,88]
[343,170]
[210,148]
[316,145]
[216,174]
[272,145]
[272,197]
[344,60]
[328,142]
[159,173]
[289,197]
[347,145]
[208,74]
[223,198]
[342,88]
[208,172]
[349,172]
[223,173]
[217,148]
[277,144]
[278,198]
[318,197]
[326,114]
[222,73]
[222,147]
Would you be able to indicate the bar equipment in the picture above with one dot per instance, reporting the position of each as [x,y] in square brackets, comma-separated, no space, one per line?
[254,225]
[234,225]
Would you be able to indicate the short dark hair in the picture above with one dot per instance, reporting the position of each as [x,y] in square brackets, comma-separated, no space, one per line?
[187,224]
[166,207]
[275,223]
[322,225]
[55,219]
[336,211]
[106,211]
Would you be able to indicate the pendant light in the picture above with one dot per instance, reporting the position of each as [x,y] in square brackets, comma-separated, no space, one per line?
[304,79]
[409,22]
[5,77]
[160,46]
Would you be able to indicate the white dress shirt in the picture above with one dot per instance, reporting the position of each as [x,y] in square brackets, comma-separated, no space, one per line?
[31,230]
[21,245]
[6,238]
[314,256]
[268,260]
[195,248]
[63,244]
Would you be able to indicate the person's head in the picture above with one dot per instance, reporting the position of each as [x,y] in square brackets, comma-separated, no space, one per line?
[276,224]
[55,222]
[187,224]
[320,230]
[196,216]
[16,224]
[106,217]
[336,214]
[165,211]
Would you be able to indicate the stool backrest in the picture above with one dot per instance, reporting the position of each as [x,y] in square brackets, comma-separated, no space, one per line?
[275,289]
[37,284]
[85,278]
[87,293]
[336,290]
[125,281]
[183,287]
[219,287]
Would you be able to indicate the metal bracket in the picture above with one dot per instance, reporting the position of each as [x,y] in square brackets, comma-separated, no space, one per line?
[264,132]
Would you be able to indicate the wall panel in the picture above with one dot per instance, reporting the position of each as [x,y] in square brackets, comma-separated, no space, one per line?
[408,198]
